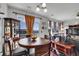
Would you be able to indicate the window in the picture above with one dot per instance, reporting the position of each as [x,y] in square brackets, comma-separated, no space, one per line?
[22,21]
[23,26]
[36,26]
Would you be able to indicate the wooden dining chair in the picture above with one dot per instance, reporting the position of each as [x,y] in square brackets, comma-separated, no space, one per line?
[46,36]
[19,51]
[54,49]
[7,48]
[28,36]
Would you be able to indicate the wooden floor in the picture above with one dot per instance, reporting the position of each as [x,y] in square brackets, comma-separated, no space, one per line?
[75,53]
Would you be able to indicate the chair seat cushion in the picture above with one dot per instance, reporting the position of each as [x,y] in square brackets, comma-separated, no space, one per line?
[19,49]
[22,53]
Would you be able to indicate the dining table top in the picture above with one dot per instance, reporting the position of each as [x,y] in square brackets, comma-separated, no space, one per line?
[28,43]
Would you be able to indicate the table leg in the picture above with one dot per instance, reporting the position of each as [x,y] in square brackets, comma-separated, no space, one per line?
[28,52]
[49,48]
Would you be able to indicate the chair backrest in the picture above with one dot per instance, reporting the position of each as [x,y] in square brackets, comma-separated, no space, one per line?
[15,39]
[7,48]
[28,36]
[15,42]
[46,36]
[9,45]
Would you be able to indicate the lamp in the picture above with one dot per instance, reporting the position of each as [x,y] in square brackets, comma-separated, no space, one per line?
[41,6]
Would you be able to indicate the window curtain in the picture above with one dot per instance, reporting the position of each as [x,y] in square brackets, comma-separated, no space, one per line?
[29,22]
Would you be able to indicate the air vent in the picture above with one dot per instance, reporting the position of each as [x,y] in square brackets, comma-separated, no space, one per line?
[1,13]
[78,14]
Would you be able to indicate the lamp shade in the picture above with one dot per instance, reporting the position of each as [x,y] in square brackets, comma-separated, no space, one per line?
[45,10]
[37,9]
[43,4]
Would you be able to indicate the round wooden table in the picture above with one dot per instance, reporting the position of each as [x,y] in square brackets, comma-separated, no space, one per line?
[27,43]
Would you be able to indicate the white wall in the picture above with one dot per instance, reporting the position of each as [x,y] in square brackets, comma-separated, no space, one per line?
[44,31]
[3,8]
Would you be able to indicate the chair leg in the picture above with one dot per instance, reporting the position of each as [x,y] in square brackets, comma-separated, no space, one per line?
[76,52]
[28,52]
[55,51]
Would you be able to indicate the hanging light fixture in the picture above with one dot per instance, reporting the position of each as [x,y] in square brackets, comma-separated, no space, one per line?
[45,10]
[37,9]
[41,6]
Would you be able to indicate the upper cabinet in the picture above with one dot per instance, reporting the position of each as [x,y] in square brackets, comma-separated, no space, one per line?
[74,29]
[11,27]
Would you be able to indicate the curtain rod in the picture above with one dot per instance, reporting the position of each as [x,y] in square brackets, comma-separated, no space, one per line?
[24,14]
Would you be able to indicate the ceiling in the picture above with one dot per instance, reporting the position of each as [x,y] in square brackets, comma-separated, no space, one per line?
[60,11]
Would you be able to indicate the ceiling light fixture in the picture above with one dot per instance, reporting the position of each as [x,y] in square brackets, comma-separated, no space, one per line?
[41,6]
